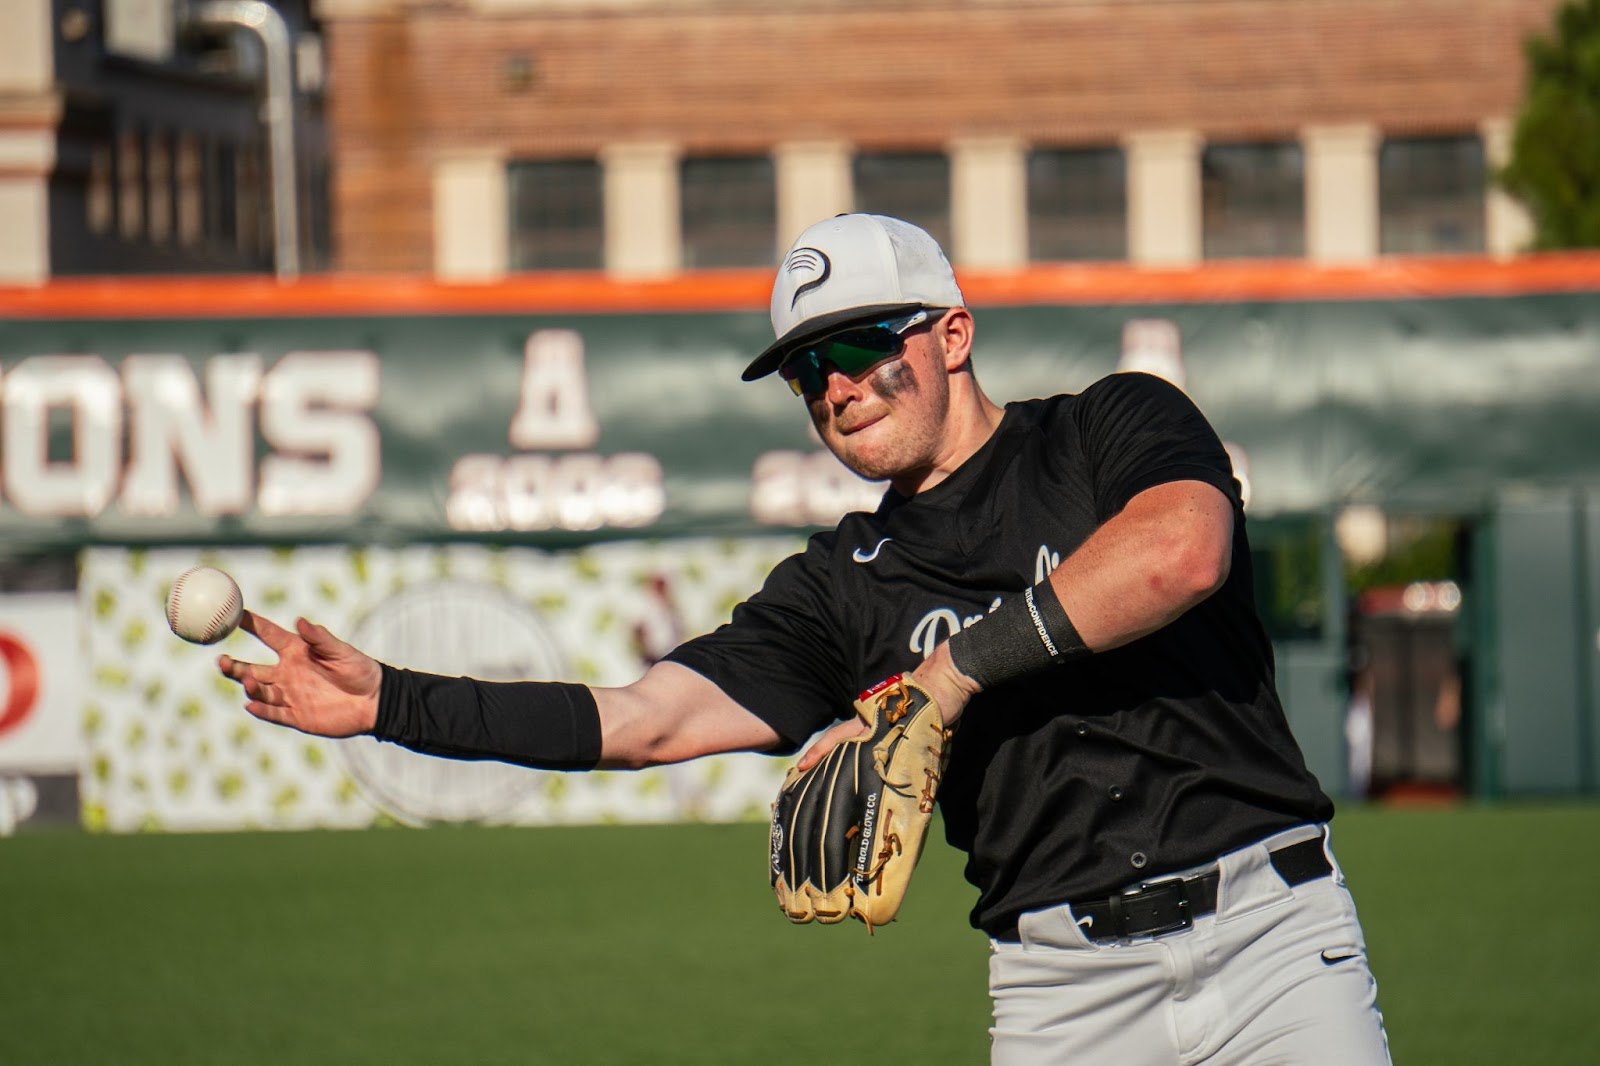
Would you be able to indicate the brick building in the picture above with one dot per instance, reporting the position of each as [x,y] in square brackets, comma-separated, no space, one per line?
[137,136]
[473,137]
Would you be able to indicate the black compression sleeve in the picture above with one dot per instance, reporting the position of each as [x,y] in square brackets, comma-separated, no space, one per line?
[1024,634]
[544,724]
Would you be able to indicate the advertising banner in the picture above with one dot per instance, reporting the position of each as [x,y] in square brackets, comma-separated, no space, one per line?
[556,429]
[41,682]
[42,689]
[170,747]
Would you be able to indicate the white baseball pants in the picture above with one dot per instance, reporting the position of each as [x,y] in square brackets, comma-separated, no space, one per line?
[1276,975]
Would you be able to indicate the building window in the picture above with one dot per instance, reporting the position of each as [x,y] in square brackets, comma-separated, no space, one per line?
[557,215]
[1431,195]
[219,180]
[99,200]
[1253,201]
[158,187]
[255,233]
[191,193]
[1077,204]
[730,211]
[914,186]
[130,184]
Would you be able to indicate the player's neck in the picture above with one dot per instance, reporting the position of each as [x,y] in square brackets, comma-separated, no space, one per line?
[972,421]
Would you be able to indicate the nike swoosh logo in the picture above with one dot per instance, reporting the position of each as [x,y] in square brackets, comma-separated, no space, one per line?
[866,557]
[1334,956]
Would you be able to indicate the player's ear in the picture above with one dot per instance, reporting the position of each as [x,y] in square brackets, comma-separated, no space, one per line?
[954,335]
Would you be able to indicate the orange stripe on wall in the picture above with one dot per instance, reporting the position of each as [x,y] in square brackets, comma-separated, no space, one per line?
[747,290]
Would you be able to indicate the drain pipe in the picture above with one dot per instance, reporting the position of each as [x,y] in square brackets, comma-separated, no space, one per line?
[277,112]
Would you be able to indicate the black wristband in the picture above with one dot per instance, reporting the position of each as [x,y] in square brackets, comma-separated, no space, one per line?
[548,725]
[1025,633]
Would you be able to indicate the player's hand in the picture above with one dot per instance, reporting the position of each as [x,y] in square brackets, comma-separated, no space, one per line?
[950,689]
[319,685]
[848,729]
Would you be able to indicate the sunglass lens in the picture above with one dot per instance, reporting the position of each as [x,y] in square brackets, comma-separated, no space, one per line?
[851,352]
[880,339]
[802,373]
[853,358]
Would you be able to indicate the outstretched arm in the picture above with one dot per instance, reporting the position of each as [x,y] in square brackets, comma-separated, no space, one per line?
[672,714]
[325,686]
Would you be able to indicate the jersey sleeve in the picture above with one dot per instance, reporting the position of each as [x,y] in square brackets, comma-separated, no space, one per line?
[1139,431]
[783,655]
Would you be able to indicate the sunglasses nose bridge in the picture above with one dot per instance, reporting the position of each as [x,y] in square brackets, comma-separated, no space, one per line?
[829,372]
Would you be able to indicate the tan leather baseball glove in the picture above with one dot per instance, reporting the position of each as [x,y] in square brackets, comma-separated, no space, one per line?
[847,833]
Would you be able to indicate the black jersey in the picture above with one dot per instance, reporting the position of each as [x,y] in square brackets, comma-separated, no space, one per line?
[1155,756]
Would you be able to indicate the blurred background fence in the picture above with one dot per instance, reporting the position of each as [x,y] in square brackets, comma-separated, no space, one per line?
[434,313]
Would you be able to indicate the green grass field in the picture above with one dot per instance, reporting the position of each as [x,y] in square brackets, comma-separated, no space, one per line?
[648,945]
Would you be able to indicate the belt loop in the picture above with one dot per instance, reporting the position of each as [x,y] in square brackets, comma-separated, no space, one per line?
[1249,880]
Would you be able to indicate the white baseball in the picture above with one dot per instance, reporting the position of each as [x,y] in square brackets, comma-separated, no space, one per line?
[204,605]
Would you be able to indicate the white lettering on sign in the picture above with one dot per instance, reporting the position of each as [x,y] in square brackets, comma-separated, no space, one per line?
[199,430]
[1153,346]
[86,390]
[583,491]
[314,413]
[807,489]
[579,491]
[170,426]
[554,412]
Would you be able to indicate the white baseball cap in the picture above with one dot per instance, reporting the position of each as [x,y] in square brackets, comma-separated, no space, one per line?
[849,269]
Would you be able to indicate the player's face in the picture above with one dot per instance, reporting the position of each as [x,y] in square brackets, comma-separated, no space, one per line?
[887,421]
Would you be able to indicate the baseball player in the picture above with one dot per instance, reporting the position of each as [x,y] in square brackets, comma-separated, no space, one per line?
[1066,578]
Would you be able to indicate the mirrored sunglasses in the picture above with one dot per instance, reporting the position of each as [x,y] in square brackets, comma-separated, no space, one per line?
[849,351]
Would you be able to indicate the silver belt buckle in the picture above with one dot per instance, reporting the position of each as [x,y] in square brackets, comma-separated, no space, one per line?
[1157,909]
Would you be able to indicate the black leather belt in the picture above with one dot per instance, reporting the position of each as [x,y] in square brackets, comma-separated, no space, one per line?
[1170,906]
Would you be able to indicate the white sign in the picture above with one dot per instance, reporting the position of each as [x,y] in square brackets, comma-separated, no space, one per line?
[169,746]
[42,674]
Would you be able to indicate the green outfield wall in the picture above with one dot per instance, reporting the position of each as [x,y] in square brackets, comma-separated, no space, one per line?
[386,431]
[549,426]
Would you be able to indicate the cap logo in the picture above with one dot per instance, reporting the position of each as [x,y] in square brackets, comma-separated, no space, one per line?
[807,261]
